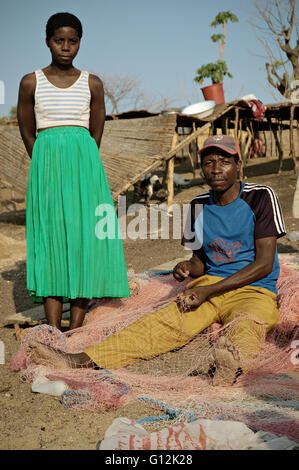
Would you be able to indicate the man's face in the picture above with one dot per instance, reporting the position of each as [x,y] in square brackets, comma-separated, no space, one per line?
[220,169]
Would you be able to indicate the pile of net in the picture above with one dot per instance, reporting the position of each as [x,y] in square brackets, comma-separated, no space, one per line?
[264,398]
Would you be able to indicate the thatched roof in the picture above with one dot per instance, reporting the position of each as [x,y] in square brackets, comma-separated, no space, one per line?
[14,161]
[137,142]
[129,150]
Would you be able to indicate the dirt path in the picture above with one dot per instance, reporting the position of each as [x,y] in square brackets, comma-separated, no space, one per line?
[35,421]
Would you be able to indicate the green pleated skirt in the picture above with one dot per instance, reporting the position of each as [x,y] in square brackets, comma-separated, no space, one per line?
[74,245]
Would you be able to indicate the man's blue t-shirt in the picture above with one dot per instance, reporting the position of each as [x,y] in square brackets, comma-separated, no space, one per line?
[224,236]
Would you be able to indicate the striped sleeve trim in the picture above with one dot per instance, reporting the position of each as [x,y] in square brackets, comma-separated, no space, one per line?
[277,213]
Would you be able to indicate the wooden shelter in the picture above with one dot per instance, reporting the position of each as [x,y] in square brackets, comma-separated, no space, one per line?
[139,142]
[150,140]
[279,123]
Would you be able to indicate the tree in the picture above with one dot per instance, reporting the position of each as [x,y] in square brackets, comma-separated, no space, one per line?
[222,19]
[217,70]
[277,28]
[214,70]
[13,112]
[121,90]
[12,115]
[123,93]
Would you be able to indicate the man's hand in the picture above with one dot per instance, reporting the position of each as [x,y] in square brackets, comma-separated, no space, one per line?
[193,267]
[192,298]
[182,270]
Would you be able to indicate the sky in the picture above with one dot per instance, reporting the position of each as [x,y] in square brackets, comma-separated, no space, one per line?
[161,43]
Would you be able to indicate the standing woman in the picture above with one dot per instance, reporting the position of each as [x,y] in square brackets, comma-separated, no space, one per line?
[61,114]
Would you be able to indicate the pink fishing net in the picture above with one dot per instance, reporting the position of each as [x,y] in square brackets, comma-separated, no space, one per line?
[266,397]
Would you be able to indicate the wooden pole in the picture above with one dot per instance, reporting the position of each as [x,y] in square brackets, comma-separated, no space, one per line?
[252,132]
[224,125]
[170,172]
[244,148]
[196,147]
[292,146]
[239,132]
[247,146]
[280,127]
[191,161]
[277,133]
[236,123]
[278,146]
[265,142]
[164,179]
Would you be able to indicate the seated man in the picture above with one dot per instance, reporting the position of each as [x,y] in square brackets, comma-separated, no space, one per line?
[232,230]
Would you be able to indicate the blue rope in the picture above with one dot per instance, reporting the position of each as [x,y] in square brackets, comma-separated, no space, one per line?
[152,419]
[171,413]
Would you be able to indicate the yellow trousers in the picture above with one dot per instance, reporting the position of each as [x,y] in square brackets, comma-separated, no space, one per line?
[168,328]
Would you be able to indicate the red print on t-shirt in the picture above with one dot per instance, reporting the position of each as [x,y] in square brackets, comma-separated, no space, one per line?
[224,251]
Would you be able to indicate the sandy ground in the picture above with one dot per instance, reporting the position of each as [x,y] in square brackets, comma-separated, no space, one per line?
[35,421]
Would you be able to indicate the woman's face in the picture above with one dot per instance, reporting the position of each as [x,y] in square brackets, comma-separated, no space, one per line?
[64,45]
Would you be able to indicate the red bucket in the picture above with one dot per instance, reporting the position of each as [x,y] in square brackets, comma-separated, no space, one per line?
[214,92]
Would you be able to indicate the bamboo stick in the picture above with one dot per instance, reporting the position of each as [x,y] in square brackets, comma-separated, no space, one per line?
[266,143]
[292,147]
[278,146]
[224,126]
[192,162]
[170,172]
[236,123]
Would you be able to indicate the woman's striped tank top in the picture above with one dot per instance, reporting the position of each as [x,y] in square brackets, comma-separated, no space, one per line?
[61,106]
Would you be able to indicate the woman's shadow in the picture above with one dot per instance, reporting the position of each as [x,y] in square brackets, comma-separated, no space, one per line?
[17,275]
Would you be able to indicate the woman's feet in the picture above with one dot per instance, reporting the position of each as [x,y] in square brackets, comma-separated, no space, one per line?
[48,356]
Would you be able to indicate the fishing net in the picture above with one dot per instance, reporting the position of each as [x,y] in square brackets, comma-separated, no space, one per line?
[181,383]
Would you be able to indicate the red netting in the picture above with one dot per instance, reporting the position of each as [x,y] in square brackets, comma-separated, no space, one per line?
[266,397]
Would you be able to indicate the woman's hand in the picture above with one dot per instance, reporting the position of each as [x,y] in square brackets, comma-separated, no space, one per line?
[192,298]
[182,270]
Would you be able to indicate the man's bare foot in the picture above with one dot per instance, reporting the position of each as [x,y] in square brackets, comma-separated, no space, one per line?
[227,362]
[205,364]
[48,356]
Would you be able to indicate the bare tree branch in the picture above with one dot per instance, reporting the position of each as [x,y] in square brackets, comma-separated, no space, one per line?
[118,88]
[123,93]
[276,25]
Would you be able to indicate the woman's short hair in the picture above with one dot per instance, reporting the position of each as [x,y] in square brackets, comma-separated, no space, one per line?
[63,19]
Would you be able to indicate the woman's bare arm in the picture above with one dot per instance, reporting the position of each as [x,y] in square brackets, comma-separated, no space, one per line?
[25,111]
[97,109]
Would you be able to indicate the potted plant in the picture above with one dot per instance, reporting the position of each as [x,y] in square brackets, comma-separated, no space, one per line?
[216,70]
